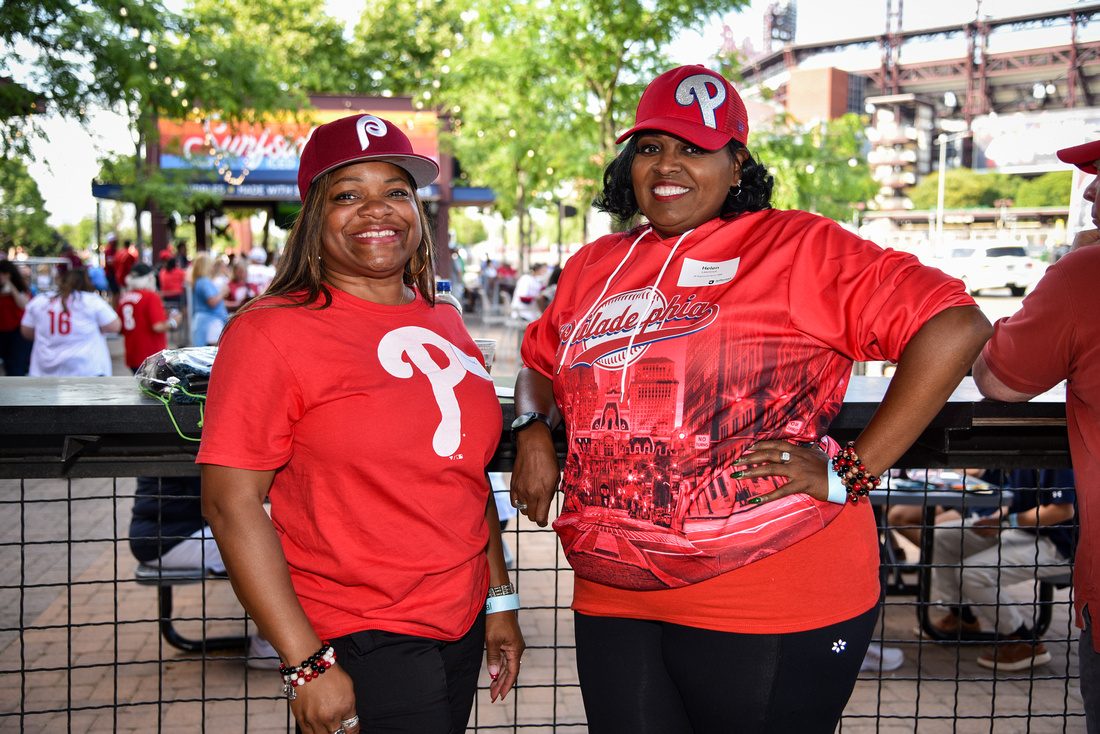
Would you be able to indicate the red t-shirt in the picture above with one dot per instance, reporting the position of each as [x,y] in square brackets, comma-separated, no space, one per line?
[10,314]
[1055,336]
[380,420]
[124,262]
[171,282]
[669,358]
[139,311]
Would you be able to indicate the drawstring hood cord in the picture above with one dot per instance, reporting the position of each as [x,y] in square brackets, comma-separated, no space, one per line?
[649,304]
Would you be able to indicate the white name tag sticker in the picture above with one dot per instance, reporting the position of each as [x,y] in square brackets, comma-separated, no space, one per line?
[696,273]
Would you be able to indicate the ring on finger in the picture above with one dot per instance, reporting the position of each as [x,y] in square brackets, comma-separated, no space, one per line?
[521,506]
[349,723]
[785,456]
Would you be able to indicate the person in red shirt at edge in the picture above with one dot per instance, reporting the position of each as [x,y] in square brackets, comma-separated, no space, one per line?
[110,250]
[144,320]
[726,578]
[387,575]
[172,277]
[125,257]
[1055,336]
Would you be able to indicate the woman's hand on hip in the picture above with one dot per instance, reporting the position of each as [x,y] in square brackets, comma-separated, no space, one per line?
[805,467]
[322,705]
[504,647]
[535,474]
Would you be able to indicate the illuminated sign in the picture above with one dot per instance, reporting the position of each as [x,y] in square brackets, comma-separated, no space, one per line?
[266,152]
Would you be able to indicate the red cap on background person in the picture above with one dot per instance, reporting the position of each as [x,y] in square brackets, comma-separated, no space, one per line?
[360,138]
[693,103]
[1083,156]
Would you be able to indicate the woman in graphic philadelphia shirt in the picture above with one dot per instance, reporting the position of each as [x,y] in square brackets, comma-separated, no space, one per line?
[366,416]
[726,575]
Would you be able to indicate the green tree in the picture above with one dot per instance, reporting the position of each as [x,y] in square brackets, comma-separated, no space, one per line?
[407,47]
[540,91]
[80,235]
[819,168]
[145,61]
[964,189]
[468,231]
[301,46]
[1050,189]
[23,212]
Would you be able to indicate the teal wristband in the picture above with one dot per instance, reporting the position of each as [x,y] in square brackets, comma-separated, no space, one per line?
[1013,521]
[505,603]
[838,493]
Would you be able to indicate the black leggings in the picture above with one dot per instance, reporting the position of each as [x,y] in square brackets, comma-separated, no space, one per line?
[642,677]
[412,685]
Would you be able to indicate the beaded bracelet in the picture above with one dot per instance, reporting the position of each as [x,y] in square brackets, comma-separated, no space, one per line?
[853,474]
[311,667]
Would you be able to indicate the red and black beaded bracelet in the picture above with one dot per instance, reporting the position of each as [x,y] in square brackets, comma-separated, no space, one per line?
[311,667]
[853,474]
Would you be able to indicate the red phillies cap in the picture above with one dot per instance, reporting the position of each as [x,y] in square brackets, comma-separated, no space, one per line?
[1083,156]
[693,103]
[360,138]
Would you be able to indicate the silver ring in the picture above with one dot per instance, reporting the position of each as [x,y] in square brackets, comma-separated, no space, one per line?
[785,456]
[348,723]
[521,506]
[340,731]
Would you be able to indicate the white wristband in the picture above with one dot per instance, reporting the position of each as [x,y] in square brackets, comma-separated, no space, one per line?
[506,603]
[838,493]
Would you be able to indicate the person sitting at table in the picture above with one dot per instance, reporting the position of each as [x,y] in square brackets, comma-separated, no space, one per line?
[167,531]
[975,560]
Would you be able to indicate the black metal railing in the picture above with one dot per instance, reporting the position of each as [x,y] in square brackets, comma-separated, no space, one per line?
[82,636]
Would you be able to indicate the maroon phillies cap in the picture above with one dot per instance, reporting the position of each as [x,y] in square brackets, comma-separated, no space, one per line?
[1083,156]
[360,138]
[693,103]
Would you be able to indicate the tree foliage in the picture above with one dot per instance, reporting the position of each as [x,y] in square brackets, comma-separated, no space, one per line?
[820,168]
[1050,189]
[964,189]
[23,212]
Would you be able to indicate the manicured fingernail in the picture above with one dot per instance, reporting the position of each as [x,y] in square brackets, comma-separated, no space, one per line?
[494,671]
[756,500]
[737,474]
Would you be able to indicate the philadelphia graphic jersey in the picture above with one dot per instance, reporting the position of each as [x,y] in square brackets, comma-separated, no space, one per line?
[670,357]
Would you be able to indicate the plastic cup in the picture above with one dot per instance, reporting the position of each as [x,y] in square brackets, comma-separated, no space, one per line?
[488,349]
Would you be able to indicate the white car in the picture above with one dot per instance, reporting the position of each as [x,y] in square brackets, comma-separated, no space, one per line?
[993,265]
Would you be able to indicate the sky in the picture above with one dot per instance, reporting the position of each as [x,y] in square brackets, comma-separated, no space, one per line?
[67,163]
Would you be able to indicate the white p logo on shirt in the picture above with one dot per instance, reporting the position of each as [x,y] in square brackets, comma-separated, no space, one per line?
[411,341]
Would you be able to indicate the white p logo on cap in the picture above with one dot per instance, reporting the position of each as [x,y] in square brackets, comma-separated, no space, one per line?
[694,90]
[371,125]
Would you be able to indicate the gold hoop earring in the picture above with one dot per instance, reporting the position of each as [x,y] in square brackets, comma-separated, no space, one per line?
[418,272]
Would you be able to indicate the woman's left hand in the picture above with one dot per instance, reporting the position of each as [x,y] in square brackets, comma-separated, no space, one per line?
[504,647]
[807,468]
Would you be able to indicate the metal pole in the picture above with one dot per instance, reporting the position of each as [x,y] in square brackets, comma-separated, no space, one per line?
[938,245]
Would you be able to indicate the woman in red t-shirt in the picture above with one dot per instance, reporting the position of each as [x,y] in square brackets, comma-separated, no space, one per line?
[15,351]
[364,413]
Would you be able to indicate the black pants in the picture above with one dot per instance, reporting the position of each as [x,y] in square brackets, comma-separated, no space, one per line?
[412,685]
[642,677]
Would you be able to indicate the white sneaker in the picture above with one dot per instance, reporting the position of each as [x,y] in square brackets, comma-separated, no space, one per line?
[261,655]
[882,658]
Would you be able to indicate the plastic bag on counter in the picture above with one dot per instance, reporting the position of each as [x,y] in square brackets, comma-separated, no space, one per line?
[177,375]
